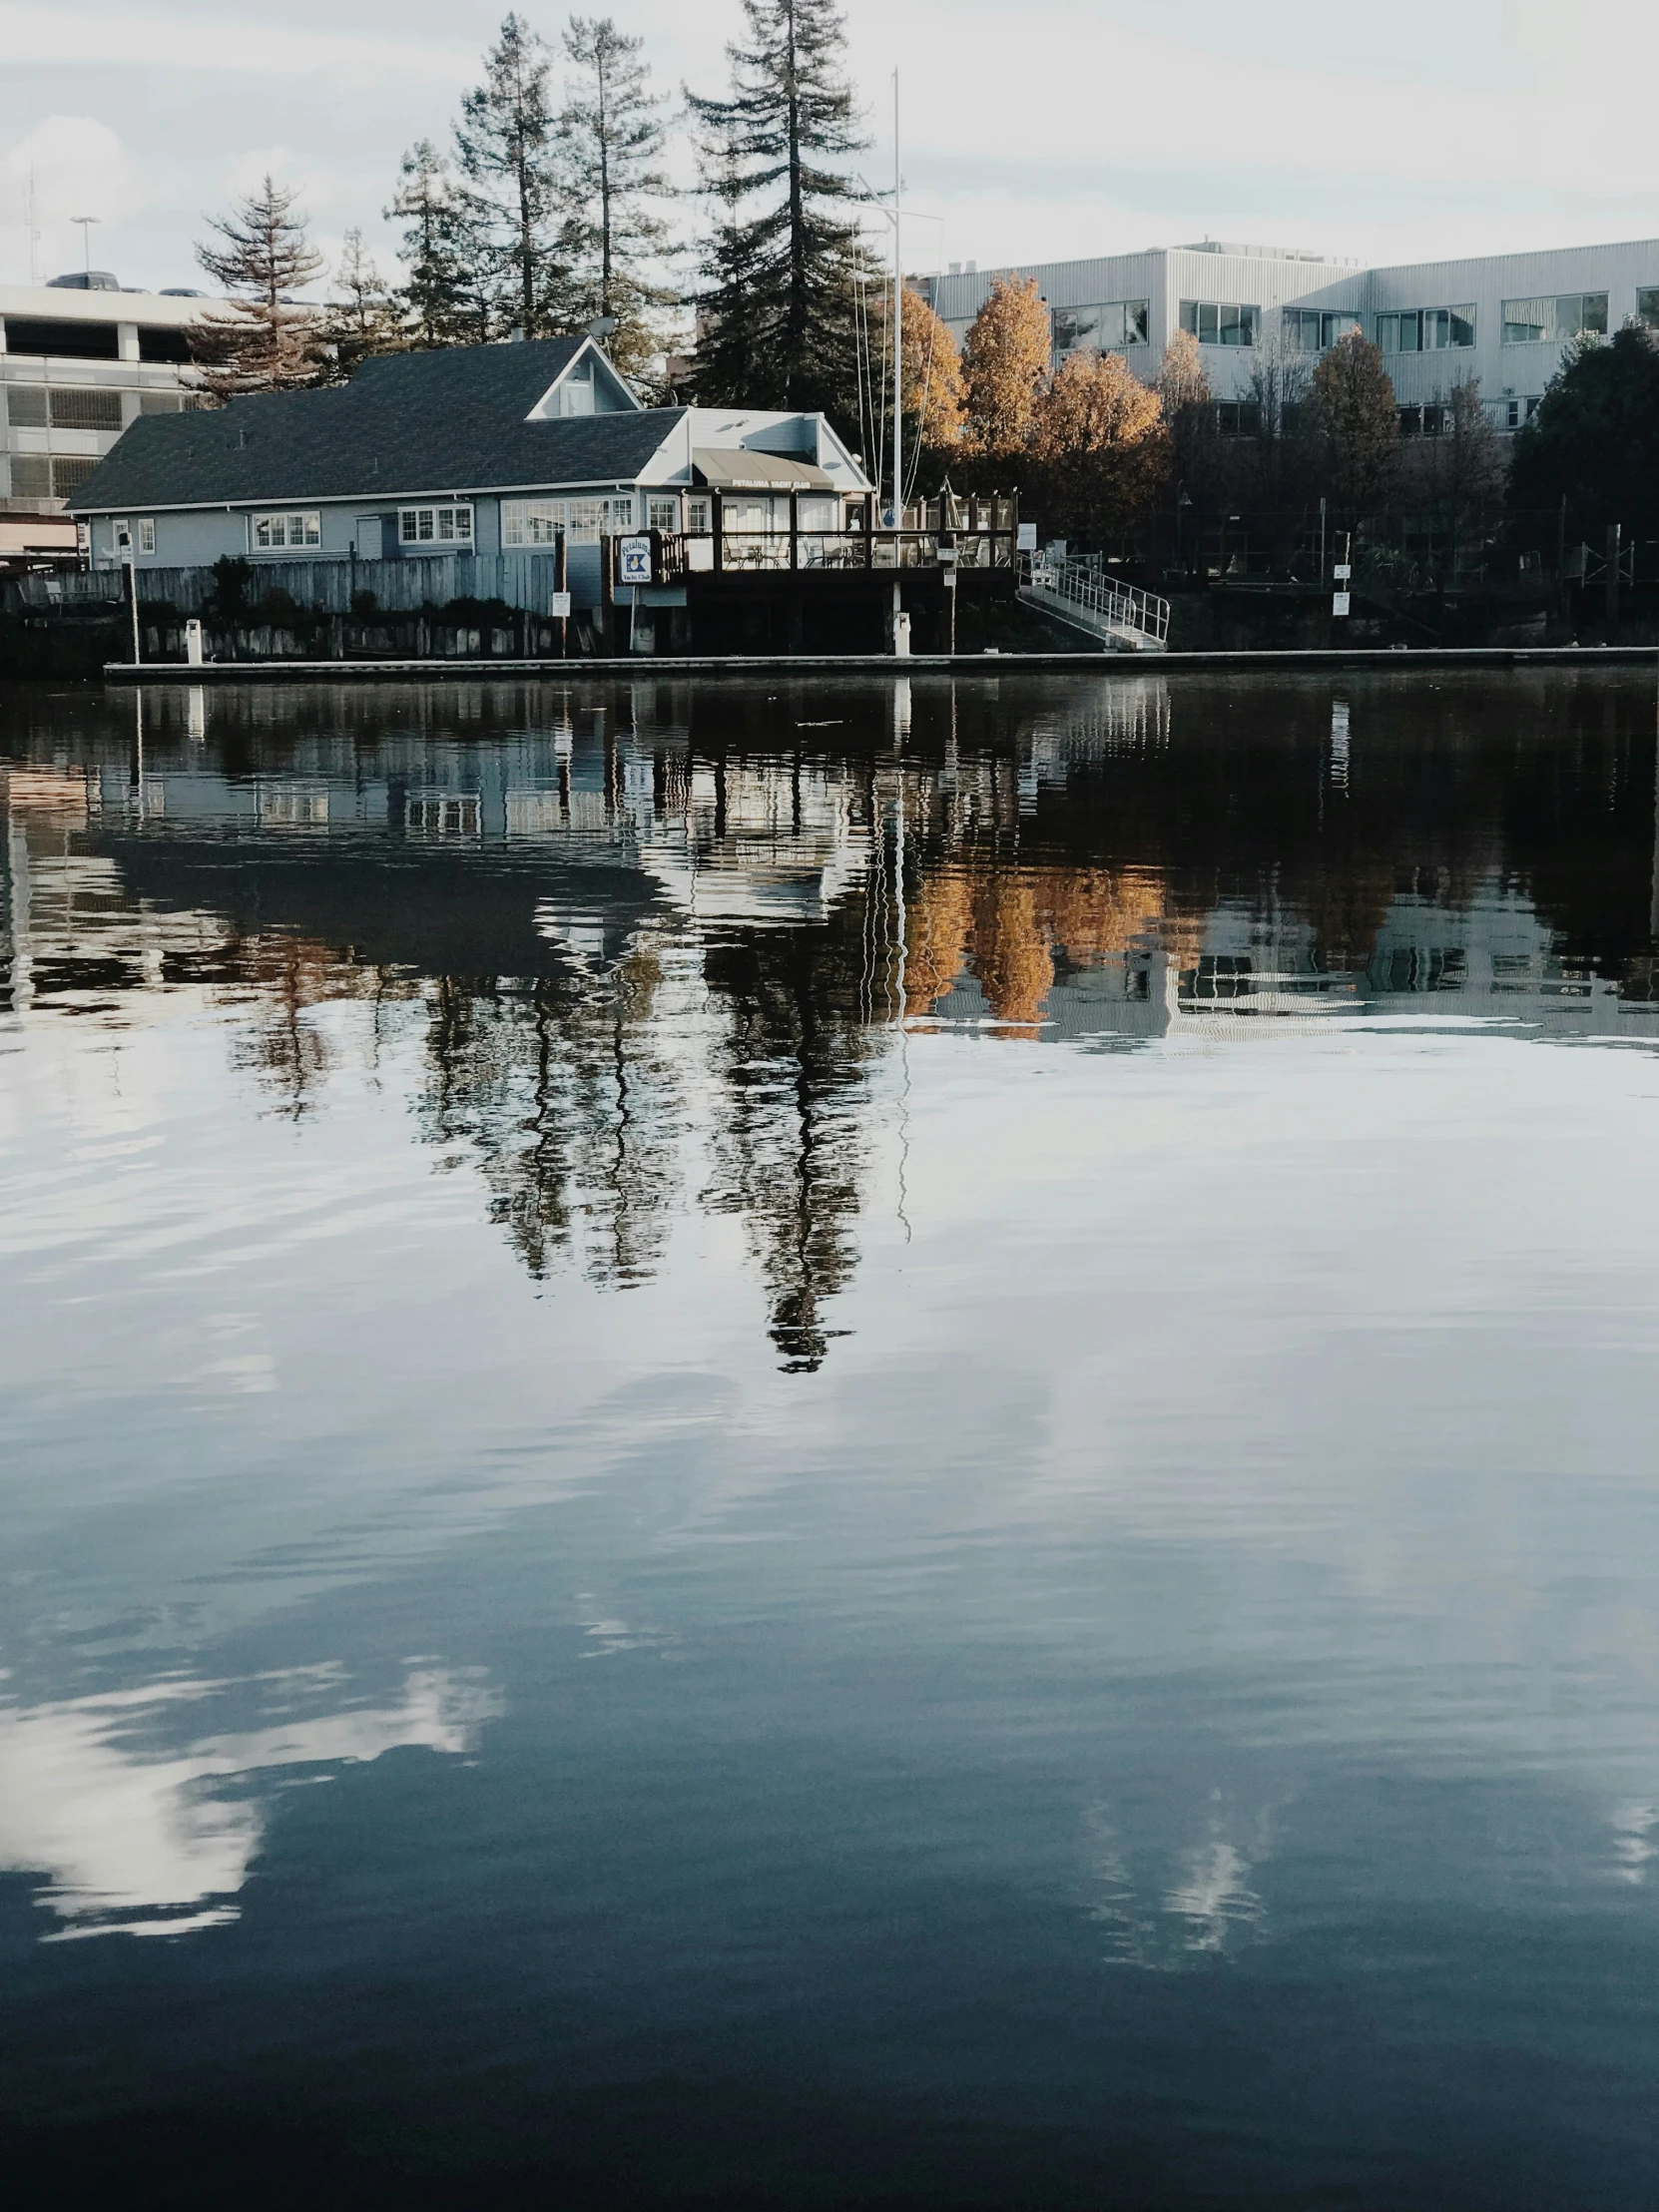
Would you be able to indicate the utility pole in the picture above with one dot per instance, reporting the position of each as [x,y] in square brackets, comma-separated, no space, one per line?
[86,223]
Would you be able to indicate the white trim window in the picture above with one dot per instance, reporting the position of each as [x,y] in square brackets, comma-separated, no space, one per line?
[532,522]
[697,523]
[662,512]
[146,533]
[286,532]
[436,527]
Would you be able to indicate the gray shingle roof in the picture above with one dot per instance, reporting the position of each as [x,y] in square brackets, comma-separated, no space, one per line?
[452,420]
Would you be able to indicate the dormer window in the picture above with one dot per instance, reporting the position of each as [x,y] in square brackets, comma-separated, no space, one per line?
[576,395]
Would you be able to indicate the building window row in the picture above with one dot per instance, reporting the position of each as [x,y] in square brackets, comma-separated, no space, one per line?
[450,527]
[1554,321]
[33,476]
[1425,329]
[1221,322]
[1111,329]
[279,533]
[34,407]
[1318,330]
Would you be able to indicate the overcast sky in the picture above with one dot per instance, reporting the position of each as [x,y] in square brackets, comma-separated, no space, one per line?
[1033,131]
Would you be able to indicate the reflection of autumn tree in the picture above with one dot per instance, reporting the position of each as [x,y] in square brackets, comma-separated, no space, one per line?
[291,1052]
[788,1160]
[938,927]
[1346,907]
[1011,921]
[569,1104]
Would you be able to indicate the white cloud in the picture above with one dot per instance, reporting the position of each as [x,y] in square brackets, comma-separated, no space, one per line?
[68,165]
[153,39]
[78,166]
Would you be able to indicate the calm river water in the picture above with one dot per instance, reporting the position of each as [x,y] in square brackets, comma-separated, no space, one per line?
[834,1444]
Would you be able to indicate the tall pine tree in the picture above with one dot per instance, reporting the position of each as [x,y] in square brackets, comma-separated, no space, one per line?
[261,256]
[504,145]
[442,297]
[779,268]
[364,318]
[609,146]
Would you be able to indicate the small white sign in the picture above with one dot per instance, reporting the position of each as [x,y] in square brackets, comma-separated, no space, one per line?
[1027,538]
[561,606]
[1342,572]
[948,578]
[635,557]
[947,556]
[1338,602]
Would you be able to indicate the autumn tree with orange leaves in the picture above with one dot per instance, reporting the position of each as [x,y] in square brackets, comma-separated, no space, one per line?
[1101,444]
[933,389]
[1005,365]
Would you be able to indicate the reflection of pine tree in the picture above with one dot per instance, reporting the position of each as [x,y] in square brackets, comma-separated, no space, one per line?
[570,1109]
[789,1158]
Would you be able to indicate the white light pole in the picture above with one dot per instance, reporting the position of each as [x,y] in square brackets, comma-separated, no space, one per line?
[86,223]
[898,323]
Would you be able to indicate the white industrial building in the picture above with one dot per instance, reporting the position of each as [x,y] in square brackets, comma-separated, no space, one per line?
[79,360]
[1504,318]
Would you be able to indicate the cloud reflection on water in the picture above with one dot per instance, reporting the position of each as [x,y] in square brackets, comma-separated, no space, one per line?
[141,1839]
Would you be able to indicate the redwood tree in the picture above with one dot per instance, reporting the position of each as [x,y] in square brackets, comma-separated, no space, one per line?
[785,217]
[610,144]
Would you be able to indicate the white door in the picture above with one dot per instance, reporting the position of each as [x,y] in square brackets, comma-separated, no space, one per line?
[369,537]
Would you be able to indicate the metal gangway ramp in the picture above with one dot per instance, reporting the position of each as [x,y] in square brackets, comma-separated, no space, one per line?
[1077,592]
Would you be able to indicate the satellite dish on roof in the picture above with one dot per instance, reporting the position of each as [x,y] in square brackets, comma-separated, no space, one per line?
[602,325]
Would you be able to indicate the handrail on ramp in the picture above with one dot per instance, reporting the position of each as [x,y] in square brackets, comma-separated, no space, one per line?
[1128,619]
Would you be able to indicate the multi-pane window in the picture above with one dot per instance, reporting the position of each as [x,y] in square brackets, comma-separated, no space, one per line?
[662,512]
[1425,329]
[1110,328]
[532,522]
[1554,321]
[143,533]
[1221,322]
[696,516]
[282,533]
[1239,418]
[1317,329]
[434,526]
